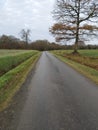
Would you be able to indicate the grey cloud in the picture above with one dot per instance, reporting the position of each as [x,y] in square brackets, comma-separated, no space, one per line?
[18,14]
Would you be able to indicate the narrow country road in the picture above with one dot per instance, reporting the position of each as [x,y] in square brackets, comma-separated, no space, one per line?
[59,98]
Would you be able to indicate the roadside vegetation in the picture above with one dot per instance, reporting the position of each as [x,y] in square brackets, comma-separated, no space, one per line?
[11,61]
[83,52]
[11,81]
[85,62]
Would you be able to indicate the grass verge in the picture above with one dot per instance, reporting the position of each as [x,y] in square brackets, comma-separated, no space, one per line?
[85,70]
[9,62]
[12,80]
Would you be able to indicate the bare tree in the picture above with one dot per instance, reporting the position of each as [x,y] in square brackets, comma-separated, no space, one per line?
[75,19]
[25,34]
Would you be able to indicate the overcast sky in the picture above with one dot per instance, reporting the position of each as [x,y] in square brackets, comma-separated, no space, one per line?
[32,14]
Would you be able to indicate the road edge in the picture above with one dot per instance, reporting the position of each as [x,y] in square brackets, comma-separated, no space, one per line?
[89,75]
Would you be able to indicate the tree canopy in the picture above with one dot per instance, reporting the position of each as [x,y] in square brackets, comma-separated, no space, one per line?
[75,19]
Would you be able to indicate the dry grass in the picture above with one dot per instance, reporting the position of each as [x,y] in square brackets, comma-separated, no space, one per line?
[86,65]
[86,57]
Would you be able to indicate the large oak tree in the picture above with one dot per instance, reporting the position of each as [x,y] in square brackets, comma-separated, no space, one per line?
[75,19]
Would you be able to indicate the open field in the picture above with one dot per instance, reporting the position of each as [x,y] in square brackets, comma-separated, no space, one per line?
[89,53]
[86,62]
[86,57]
[10,59]
[12,80]
[8,52]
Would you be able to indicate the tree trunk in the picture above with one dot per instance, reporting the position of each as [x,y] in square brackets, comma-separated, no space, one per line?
[76,40]
[77,30]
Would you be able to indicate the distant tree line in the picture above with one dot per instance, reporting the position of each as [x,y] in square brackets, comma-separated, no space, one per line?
[11,42]
[44,45]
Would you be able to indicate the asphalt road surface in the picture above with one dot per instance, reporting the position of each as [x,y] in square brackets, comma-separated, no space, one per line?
[59,98]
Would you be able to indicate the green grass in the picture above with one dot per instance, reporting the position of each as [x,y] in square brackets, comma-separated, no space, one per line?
[12,80]
[8,52]
[85,70]
[13,59]
[86,57]
[88,53]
